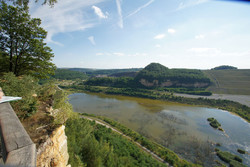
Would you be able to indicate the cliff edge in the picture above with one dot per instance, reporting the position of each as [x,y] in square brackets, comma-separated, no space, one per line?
[54,151]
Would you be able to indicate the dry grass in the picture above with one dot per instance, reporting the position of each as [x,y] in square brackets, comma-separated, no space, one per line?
[229,81]
[39,125]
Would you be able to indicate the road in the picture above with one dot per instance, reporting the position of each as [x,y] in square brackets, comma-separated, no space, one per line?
[117,131]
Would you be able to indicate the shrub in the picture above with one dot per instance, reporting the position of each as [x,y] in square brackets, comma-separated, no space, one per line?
[25,87]
[231,159]
[241,151]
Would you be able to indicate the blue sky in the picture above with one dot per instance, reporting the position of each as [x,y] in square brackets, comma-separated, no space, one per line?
[105,34]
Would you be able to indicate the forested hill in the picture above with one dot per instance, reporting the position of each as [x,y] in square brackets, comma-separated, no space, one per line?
[156,74]
[94,72]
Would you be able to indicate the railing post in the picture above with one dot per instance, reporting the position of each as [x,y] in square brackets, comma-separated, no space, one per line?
[18,148]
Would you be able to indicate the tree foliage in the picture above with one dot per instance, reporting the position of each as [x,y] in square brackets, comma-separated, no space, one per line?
[26,2]
[92,145]
[120,82]
[224,67]
[22,46]
[65,74]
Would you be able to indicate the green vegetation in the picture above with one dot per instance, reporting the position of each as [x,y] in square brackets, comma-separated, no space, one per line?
[90,144]
[229,81]
[191,91]
[65,74]
[130,83]
[231,159]
[177,77]
[224,67]
[25,87]
[166,154]
[151,73]
[95,72]
[22,47]
[58,100]
[214,123]
[33,95]
[121,82]
[180,80]
[241,151]
[26,2]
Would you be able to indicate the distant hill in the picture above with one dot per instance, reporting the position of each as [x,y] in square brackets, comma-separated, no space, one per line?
[230,81]
[124,74]
[95,72]
[157,75]
[224,67]
[66,74]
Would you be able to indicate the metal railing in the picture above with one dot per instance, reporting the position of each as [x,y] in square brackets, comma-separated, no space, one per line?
[18,148]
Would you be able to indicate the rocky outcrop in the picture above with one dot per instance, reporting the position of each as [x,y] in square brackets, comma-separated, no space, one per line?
[54,152]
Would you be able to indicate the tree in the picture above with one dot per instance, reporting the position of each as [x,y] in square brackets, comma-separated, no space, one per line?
[26,2]
[22,47]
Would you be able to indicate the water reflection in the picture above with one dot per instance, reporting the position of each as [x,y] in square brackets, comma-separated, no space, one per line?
[181,128]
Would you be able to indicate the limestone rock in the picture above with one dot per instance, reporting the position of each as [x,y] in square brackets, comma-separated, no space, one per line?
[54,152]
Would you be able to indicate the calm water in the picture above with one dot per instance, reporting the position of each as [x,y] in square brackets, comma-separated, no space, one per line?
[181,128]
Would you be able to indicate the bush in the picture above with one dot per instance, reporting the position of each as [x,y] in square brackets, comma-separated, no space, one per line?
[241,151]
[231,159]
[25,87]
[214,123]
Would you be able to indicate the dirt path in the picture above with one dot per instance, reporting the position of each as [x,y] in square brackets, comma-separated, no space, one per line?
[117,131]
[243,99]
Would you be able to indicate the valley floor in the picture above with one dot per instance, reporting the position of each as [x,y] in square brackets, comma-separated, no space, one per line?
[243,99]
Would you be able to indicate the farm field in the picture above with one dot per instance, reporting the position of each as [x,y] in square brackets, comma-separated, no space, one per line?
[229,81]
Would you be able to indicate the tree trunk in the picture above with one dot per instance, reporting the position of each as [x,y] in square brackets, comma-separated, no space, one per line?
[11,59]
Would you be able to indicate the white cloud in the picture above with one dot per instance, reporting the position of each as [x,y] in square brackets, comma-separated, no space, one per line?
[119,10]
[65,16]
[157,45]
[99,12]
[171,31]
[159,36]
[190,3]
[119,54]
[92,40]
[205,51]
[201,36]
[99,54]
[141,7]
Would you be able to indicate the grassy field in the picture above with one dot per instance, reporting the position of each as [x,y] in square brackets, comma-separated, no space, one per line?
[229,81]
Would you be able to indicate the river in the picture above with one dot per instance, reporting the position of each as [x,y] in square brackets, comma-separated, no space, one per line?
[182,128]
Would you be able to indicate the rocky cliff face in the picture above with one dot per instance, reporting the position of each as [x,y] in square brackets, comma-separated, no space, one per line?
[54,152]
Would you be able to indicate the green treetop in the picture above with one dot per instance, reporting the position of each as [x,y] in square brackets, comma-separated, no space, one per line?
[22,46]
[26,2]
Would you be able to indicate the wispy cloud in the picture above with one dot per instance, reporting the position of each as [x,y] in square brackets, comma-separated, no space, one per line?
[121,54]
[189,3]
[159,36]
[92,40]
[119,10]
[205,51]
[200,36]
[99,12]
[157,45]
[140,8]
[65,16]
[171,31]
